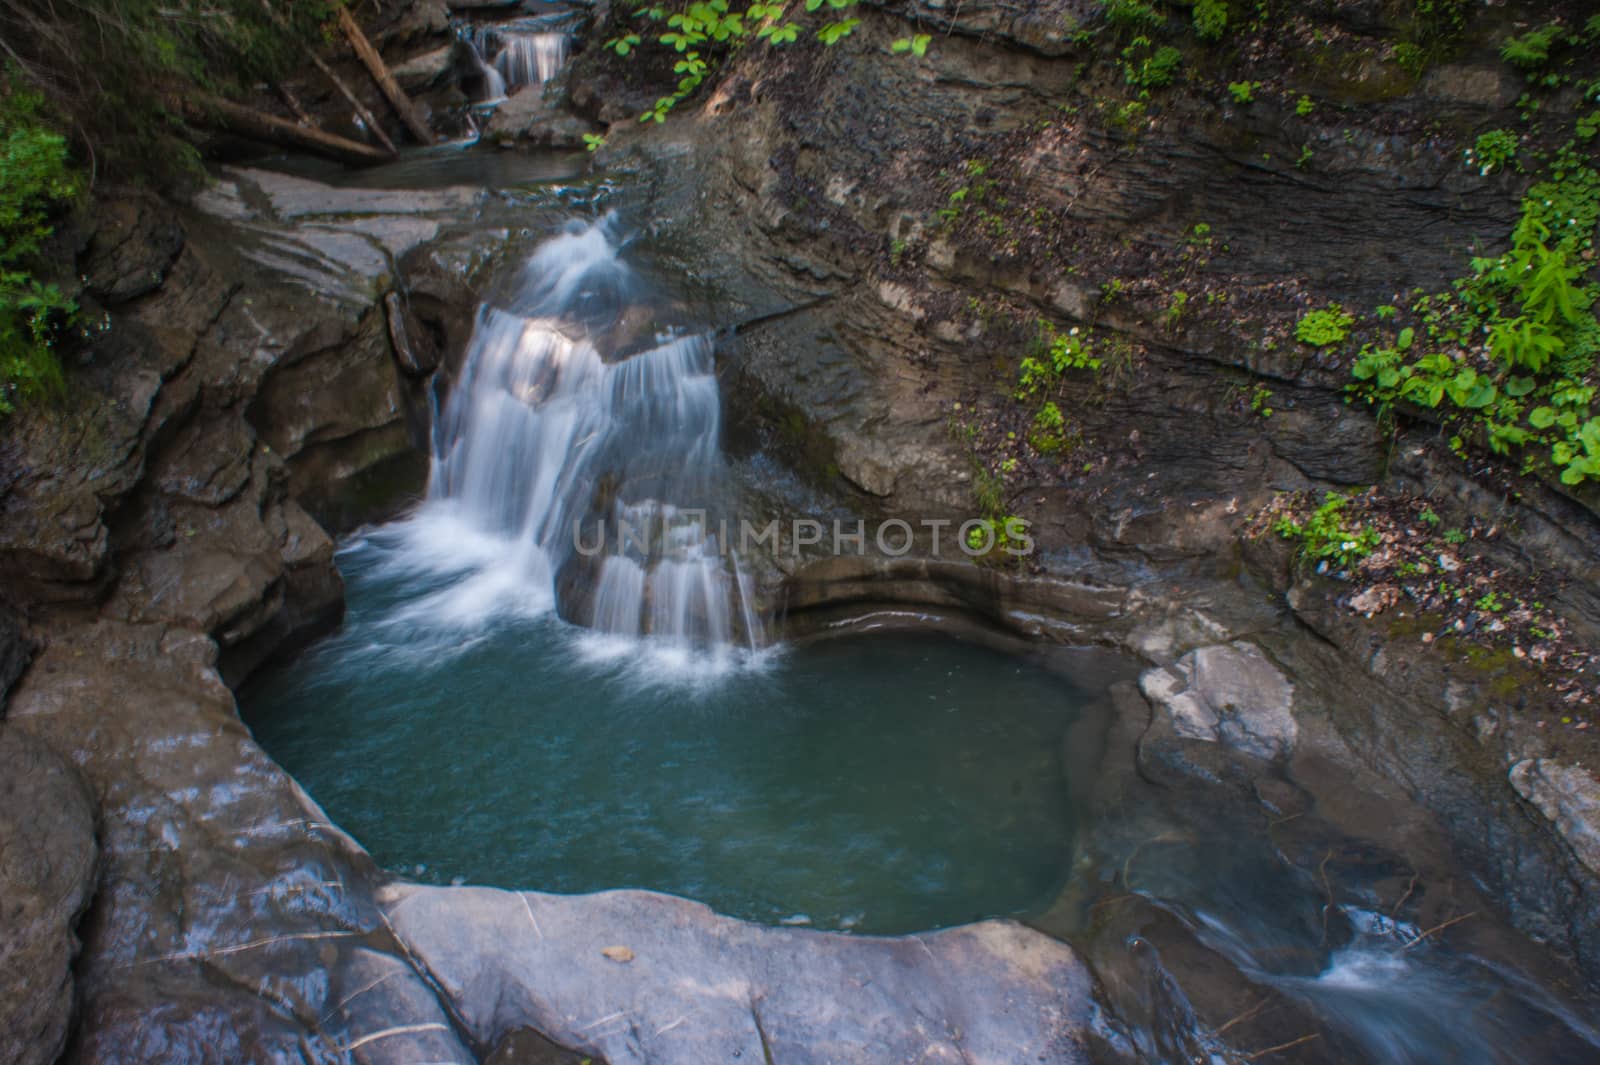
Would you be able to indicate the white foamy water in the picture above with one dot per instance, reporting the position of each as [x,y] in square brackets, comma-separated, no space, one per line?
[510,57]
[547,447]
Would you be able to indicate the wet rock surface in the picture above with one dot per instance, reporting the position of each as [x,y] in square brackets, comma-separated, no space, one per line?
[1569,796]
[639,977]
[1230,694]
[47,866]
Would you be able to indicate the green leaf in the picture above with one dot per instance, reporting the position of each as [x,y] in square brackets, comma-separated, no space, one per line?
[1520,386]
[1541,417]
[1407,335]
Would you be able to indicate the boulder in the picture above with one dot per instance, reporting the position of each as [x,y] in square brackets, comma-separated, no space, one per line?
[636,977]
[530,117]
[1227,693]
[47,864]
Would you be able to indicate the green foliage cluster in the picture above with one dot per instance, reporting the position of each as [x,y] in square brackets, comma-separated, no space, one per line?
[1000,533]
[1054,355]
[1243,92]
[705,32]
[36,183]
[1326,327]
[1210,19]
[1146,67]
[1508,355]
[1493,151]
[1327,534]
[1134,15]
[113,69]
[1534,52]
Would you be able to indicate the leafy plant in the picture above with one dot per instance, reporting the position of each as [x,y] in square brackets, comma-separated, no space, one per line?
[1153,71]
[1260,401]
[1048,435]
[1531,51]
[1133,15]
[1324,328]
[1243,92]
[1210,19]
[1328,536]
[706,31]
[1304,106]
[1492,151]
[917,45]
[36,183]
[1175,308]
[593,142]
[1053,355]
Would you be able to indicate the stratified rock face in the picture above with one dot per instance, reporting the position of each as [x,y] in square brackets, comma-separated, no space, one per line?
[1229,693]
[638,977]
[47,860]
[1569,796]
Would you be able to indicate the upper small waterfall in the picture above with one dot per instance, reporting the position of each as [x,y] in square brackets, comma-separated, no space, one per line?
[588,442]
[512,56]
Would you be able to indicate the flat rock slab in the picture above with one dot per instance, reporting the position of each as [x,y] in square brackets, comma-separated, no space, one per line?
[635,977]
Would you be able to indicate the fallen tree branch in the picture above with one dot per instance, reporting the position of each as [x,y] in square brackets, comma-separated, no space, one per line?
[380,73]
[258,125]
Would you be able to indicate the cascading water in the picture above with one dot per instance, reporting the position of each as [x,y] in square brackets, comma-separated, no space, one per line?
[509,56]
[591,451]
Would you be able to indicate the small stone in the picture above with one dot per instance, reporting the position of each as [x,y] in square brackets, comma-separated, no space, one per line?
[618,954]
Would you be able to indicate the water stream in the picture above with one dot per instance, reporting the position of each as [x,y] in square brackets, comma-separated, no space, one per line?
[511,55]
[514,702]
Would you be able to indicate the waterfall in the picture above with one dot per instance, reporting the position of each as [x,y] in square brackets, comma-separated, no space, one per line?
[509,57]
[590,449]
[531,58]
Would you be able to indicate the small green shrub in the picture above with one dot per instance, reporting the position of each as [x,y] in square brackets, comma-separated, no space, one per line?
[1327,536]
[917,46]
[1133,15]
[1175,308]
[1048,435]
[1492,151]
[1243,92]
[36,183]
[1304,106]
[1324,328]
[1531,51]
[1210,19]
[1154,71]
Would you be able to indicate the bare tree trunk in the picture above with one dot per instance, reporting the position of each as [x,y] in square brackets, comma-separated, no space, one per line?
[344,90]
[293,101]
[258,125]
[365,115]
[391,89]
